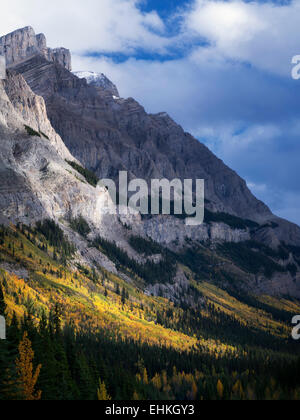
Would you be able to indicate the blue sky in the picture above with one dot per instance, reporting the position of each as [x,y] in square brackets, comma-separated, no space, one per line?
[222,69]
[164,8]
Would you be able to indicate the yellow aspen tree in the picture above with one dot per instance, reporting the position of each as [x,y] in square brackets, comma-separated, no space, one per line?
[24,366]
[250,394]
[220,389]
[164,378]
[145,377]
[237,390]
[194,391]
[273,384]
[135,396]
[156,381]
[102,392]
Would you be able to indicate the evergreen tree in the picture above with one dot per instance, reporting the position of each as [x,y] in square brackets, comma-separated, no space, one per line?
[2,301]
[8,381]
[123,296]
[118,292]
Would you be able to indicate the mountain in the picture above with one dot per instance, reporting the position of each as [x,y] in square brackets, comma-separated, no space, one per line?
[99,80]
[23,43]
[107,134]
[142,303]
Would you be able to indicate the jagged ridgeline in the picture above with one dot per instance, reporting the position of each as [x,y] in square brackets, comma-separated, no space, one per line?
[124,306]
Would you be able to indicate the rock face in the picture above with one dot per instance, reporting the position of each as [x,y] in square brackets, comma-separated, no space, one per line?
[76,118]
[108,135]
[170,232]
[23,44]
[36,180]
[99,80]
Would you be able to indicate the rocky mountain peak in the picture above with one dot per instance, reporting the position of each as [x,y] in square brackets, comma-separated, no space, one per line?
[51,118]
[99,80]
[22,44]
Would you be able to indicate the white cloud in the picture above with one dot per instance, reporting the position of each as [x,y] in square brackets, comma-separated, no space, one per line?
[264,34]
[90,25]
[233,140]
[257,188]
[227,24]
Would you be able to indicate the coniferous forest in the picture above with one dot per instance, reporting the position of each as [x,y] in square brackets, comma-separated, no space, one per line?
[75,333]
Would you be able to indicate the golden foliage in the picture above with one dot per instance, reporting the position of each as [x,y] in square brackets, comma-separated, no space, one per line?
[220,389]
[135,396]
[237,390]
[24,366]
[102,393]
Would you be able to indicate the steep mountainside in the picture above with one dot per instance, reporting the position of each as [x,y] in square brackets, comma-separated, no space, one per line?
[153,308]
[108,134]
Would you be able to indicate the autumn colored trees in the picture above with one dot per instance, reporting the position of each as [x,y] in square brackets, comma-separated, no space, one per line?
[53,363]
[68,327]
[26,374]
[102,393]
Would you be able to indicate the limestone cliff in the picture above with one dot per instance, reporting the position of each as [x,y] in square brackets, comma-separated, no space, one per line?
[49,116]
[109,134]
[23,44]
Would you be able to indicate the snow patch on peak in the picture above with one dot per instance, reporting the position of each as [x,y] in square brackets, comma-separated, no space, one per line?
[99,80]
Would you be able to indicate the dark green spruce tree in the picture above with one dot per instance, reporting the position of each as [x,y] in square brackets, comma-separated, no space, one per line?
[8,383]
